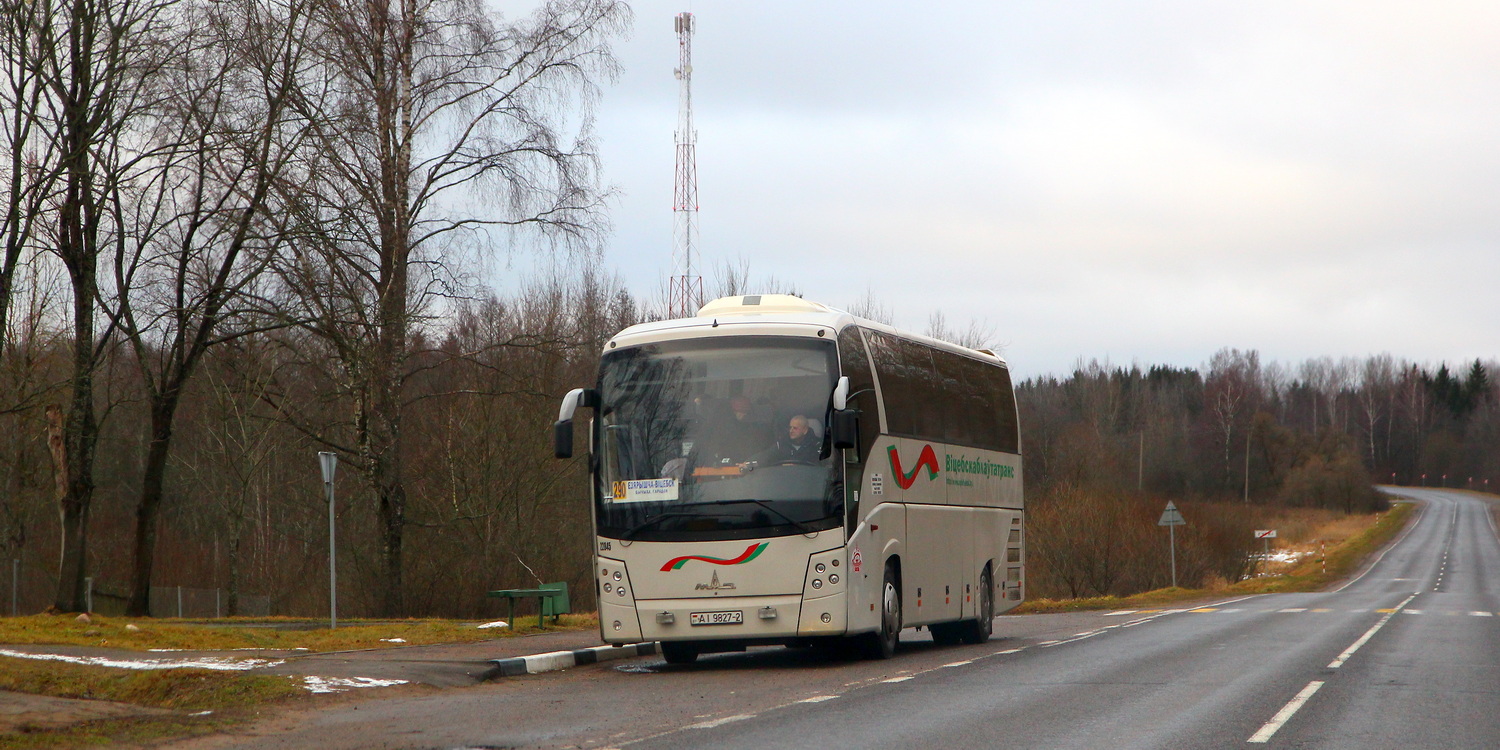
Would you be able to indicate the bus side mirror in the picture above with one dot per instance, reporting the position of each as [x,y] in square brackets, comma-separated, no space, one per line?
[846,428]
[562,432]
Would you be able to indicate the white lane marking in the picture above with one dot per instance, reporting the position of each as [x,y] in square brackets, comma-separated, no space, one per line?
[1293,609]
[958,663]
[1414,611]
[898,679]
[1482,614]
[818,699]
[1412,524]
[719,722]
[1011,651]
[1286,713]
[1348,652]
[1121,612]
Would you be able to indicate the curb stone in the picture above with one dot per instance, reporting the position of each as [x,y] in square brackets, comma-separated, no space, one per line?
[538,663]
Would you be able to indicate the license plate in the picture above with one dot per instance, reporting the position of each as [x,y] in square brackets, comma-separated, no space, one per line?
[716,618]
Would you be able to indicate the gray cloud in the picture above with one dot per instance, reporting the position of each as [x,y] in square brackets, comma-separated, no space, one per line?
[1147,181]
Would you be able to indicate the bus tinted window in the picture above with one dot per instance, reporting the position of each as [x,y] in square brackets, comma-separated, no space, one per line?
[896,389]
[942,396]
[855,364]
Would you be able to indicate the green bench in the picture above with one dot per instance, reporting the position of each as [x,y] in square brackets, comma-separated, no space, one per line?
[551,601]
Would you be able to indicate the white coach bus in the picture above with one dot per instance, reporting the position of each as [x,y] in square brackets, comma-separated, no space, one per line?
[775,471]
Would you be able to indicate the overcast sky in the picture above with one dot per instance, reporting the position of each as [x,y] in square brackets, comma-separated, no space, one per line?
[1146,182]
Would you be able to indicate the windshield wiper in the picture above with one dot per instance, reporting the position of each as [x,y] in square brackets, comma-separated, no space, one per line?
[799,525]
[653,520]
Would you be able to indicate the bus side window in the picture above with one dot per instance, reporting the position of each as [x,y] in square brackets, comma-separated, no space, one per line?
[964,408]
[855,365]
[1003,397]
[908,385]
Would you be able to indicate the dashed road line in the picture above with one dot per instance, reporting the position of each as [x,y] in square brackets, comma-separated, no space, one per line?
[1286,713]
[1348,652]
[719,722]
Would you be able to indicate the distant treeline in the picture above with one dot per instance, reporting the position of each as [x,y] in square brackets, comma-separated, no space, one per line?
[1233,443]
[1314,434]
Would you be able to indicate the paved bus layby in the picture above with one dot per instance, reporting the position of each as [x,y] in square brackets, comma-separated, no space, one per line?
[775,471]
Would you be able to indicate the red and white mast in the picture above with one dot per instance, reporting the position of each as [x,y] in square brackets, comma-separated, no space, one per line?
[685,292]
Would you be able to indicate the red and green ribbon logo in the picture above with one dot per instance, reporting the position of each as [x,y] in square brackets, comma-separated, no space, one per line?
[927,459]
[750,553]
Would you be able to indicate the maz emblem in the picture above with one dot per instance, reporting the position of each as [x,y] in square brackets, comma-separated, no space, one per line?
[714,585]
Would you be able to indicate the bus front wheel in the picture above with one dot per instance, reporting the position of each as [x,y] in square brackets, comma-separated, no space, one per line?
[881,644]
[676,652]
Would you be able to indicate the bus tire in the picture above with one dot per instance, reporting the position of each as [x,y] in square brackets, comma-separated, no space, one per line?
[881,644]
[979,629]
[677,652]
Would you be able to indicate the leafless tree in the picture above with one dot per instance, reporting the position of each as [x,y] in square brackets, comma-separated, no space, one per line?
[1376,395]
[188,270]
[1232,390]
[91,60]
[976,336]
[21,99]
[871,307]
[732,278]
[416,104]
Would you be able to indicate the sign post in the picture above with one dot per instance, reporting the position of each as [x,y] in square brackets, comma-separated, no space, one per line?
[330,464]
[1267,535]
[1172,518]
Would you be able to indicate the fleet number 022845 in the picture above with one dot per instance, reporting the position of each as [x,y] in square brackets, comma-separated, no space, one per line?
[716,618]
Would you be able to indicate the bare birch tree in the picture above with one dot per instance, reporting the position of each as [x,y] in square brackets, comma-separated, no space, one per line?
[91,59]
[415,105]
[196,248]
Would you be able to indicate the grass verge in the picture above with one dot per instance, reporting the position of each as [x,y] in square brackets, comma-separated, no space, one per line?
[1310,575]
[139,634]
[181,689]
[198,700]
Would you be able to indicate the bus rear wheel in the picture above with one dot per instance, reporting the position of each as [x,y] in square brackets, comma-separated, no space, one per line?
[979,629]
[676,652]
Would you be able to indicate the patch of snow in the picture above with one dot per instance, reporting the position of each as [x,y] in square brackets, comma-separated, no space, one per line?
[495,624]
[209,662]
[393,640]
[340,684]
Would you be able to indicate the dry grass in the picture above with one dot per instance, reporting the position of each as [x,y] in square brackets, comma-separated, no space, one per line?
[267,633]
[1347,541]
[183,689]
[199,701]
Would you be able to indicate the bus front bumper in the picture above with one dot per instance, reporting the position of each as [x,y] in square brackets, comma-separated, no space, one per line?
[741,618]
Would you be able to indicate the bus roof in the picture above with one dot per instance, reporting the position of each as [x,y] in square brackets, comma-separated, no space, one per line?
[772,314]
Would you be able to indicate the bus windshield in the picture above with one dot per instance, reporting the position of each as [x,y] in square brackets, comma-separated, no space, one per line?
[716,438]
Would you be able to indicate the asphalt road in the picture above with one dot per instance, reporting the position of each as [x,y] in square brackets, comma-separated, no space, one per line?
[1403,656]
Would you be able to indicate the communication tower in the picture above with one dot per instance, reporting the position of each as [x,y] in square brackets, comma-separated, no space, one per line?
[685,292]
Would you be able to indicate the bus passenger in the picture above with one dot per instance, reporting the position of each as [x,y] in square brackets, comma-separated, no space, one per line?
[734,440]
